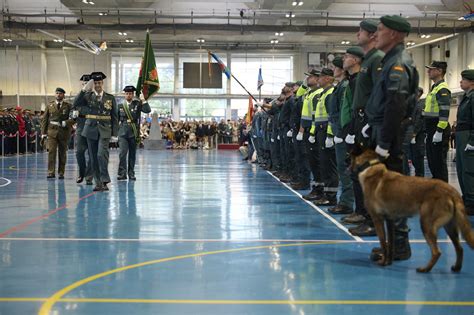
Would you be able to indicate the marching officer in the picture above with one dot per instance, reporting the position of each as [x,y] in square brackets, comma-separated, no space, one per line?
[79,115]
[388,105]
[101,126]
[436,113]
[465,141]
[129,133]
[56,126]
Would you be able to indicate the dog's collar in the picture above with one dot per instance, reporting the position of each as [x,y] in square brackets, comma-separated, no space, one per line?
[366,165]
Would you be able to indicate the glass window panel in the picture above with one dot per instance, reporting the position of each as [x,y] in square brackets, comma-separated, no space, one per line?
[241,105]
[202,109]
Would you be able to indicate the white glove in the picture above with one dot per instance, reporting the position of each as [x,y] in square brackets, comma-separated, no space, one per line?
[63,124]
[255,136]
[289,134]
[142,98]
[44,136]
[382,152]
[469,147]
[259,104]
[299,136]
[312,139]
[329,143]
[350,139]
[413,140]
[338,140]
[364,131]
[305,82]
[278,137]
[272,140]
[113,139]
[75,113]
[437,137]
[88,86]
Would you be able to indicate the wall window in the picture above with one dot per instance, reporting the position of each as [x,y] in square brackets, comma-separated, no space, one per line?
[202,109]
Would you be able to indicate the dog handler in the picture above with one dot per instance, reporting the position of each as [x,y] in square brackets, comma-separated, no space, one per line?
[387,106]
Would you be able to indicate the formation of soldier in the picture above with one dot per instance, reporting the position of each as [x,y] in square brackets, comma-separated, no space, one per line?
[19,131]
[369,98]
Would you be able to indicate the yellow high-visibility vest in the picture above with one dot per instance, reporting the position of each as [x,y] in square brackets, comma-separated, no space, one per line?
[432,107]
[320,114]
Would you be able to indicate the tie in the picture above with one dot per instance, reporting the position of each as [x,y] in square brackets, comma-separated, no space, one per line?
[59,105]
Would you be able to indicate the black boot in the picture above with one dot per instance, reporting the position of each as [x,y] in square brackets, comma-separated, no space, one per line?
[315,194]
[402,249]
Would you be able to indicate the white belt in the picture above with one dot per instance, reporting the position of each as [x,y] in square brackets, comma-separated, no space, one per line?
[56,123]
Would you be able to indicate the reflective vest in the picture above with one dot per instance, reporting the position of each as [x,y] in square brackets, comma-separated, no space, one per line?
[320,113]
[307,110]
[432,107]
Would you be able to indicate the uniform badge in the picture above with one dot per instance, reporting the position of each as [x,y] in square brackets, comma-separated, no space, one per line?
[363,70]
[108,105]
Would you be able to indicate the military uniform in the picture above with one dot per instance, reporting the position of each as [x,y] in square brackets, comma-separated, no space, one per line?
[417,143]
[85,166]
[386,108]
[465,144]
[436,114]
[57,126]
[101,124]
[129,120]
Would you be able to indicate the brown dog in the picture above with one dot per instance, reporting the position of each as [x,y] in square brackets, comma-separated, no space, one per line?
[389,196]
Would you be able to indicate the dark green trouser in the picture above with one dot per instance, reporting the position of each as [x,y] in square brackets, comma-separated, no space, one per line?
[465,167]
[437,153]
[128,146]
[99,152]
[85,168]
[347,192]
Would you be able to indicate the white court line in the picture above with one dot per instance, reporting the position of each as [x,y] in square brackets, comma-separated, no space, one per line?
[198,240]
[327,216]
[8,182]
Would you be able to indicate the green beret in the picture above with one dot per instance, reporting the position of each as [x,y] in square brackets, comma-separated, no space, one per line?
[396,23]
[369,25]
[468,74]
[356,51]
[60,90]
[338,62]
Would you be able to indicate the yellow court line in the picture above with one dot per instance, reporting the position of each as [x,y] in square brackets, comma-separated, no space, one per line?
[48,305]
[246,302]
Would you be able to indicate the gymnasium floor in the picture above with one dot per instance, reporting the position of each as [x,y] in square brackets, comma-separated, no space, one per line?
[199,232]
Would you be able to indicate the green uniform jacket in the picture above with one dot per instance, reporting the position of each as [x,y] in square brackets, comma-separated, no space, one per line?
[125,128]
[465,115]
[334,108]
[107,106]
[365,82]
[52,116]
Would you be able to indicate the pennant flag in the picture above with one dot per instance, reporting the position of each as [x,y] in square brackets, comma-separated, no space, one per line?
[221,65]
[260,79]
[148,81]
[249,112]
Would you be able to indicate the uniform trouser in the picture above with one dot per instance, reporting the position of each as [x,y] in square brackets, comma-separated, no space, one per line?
[437,153]
[99,153]
[417,151]
[465,167]
[284,149]
[394,163]
[59,147]
[128,146]
[275,152]
[312,153]
[347,192]
[301,159]
[85,167]
[327,162]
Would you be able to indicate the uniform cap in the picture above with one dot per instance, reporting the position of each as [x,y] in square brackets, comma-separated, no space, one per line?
[468,74]
[338,62]
[60,90]
[369,25]
[313,72]
[438,65]
[98,76]
[85,77]
[328,72]
[356,51]
[129,88]
[396,23]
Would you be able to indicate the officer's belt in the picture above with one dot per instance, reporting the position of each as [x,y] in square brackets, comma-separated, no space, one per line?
[82,116]
[463,127]
[56,123]
[98,117]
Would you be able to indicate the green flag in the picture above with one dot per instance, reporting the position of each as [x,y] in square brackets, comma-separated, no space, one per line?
[148,81]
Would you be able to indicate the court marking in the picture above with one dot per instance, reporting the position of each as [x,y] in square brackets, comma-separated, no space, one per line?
[8,182]
[327,216]
[46,215]
[244,302]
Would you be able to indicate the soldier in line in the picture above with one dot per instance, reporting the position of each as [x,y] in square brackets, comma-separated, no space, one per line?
[79,114]
[129,135]
[56,126]
[101,126]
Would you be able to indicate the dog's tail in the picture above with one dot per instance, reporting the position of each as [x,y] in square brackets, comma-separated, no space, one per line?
[463,223]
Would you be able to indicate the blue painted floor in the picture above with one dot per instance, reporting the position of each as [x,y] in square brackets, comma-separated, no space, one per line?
[199,232]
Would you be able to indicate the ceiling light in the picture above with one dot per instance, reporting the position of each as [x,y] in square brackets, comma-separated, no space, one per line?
[102,13]
[295,3]
[57,40]
[274,41]
[345,42]
[91,3]
[425,36]
[129,40]
[7,39]
[278,34]
[290,15]
[200,40]
[122,33]
[461,18]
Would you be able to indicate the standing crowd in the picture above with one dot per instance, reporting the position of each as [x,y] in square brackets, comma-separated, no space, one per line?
[370,98]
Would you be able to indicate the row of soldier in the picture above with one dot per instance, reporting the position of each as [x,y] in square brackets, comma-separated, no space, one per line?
[99,120]
[370,98]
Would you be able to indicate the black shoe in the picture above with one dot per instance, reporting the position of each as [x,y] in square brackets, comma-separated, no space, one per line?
[363,230]
[340,209]
[402,252]
[123,177]
[324,201]
[79,179]
[105,183]
[105,187]
[132,177]
[98,188]
[88,182]
[51,176]
[315,194]
[300,186]
[353,218]
[61,176]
